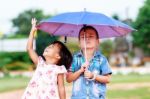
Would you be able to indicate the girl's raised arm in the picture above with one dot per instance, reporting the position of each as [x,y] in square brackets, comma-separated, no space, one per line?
[33,55]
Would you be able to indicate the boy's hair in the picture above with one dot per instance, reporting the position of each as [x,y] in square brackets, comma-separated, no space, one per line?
[84,28]
[65,55]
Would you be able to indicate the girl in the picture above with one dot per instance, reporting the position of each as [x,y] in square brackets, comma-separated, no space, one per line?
[91,73]
[48,80]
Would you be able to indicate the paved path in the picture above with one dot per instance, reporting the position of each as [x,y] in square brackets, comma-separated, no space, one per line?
[18,93]
[11,95]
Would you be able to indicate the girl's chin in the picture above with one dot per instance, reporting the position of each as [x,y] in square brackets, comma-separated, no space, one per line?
[44,54]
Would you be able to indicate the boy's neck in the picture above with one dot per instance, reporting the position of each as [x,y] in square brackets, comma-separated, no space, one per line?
[90,54]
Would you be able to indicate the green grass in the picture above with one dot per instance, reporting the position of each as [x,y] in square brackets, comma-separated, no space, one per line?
[13,83]
[137,93]
[131,78]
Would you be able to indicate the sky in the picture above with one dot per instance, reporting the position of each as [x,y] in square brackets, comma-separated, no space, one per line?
[10,9]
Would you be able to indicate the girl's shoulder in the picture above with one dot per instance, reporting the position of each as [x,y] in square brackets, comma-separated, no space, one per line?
[60,69]
[41,61]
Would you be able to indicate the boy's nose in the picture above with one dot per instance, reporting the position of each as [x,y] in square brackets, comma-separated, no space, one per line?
[86,38]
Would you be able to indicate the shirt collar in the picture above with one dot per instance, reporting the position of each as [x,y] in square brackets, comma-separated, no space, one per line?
[97,53]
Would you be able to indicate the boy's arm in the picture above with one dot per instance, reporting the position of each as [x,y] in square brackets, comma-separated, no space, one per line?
[61,87]
[71,76]
[103,78]
[100,78]
[106,72]
[33,55]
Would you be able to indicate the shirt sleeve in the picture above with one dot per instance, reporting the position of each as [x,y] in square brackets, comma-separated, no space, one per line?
[73,64]
[61,69]
[105,67]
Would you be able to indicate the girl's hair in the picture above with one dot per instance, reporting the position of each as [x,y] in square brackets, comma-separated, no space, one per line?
[65,55]
[84,28]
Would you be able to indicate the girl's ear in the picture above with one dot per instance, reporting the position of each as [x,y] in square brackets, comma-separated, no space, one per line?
[58,56]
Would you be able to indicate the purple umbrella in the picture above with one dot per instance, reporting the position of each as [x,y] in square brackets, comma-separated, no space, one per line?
[69,24]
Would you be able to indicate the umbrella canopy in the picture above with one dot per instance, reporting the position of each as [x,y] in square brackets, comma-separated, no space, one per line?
[69,24]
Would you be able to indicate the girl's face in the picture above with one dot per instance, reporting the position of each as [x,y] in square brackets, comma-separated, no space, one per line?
[90,38]
[52,51]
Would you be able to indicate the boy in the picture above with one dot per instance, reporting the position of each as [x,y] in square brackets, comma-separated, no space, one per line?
[89,75]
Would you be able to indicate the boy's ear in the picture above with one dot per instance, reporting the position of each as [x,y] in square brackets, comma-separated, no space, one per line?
[98,40]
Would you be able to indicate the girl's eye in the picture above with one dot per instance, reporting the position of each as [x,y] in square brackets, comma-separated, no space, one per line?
[51,46]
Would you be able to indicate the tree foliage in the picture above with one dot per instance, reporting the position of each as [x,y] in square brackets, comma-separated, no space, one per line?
[22,23]
[106,47]
[141,38]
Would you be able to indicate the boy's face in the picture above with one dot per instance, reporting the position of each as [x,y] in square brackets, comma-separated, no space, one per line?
[90,38]
[52,51]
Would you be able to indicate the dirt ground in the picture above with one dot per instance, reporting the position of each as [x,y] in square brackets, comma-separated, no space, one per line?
[17,94]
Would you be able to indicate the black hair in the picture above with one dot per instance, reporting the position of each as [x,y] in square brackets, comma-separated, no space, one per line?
[85,27]
[65,55]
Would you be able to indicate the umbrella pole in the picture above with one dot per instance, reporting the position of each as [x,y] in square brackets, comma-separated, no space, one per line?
[85,52]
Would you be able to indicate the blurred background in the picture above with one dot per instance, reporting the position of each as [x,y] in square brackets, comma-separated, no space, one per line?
[129,56]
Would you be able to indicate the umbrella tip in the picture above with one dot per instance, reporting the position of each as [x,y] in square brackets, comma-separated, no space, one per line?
[84,9]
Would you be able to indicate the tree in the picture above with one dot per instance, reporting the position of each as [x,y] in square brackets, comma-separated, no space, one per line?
[43,40]
[141,38]
[106,47]
[115,16]
[23,25]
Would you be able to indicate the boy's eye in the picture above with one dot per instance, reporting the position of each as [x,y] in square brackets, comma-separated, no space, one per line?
[91,36]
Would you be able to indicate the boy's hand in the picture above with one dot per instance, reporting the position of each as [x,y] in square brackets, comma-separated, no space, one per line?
[84,67]
[33,22]
[88,74]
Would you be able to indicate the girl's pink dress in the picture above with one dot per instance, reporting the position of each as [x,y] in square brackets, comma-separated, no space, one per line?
[43,84]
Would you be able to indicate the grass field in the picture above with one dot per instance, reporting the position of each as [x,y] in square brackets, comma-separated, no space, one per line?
[12,83]
[136,93]
[131,86]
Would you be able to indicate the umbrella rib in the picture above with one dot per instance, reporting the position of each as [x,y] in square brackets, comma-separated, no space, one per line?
[57,28]
[115,30]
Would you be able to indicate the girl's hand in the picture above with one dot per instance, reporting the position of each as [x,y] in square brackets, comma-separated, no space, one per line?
[33,22]
[88,74]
